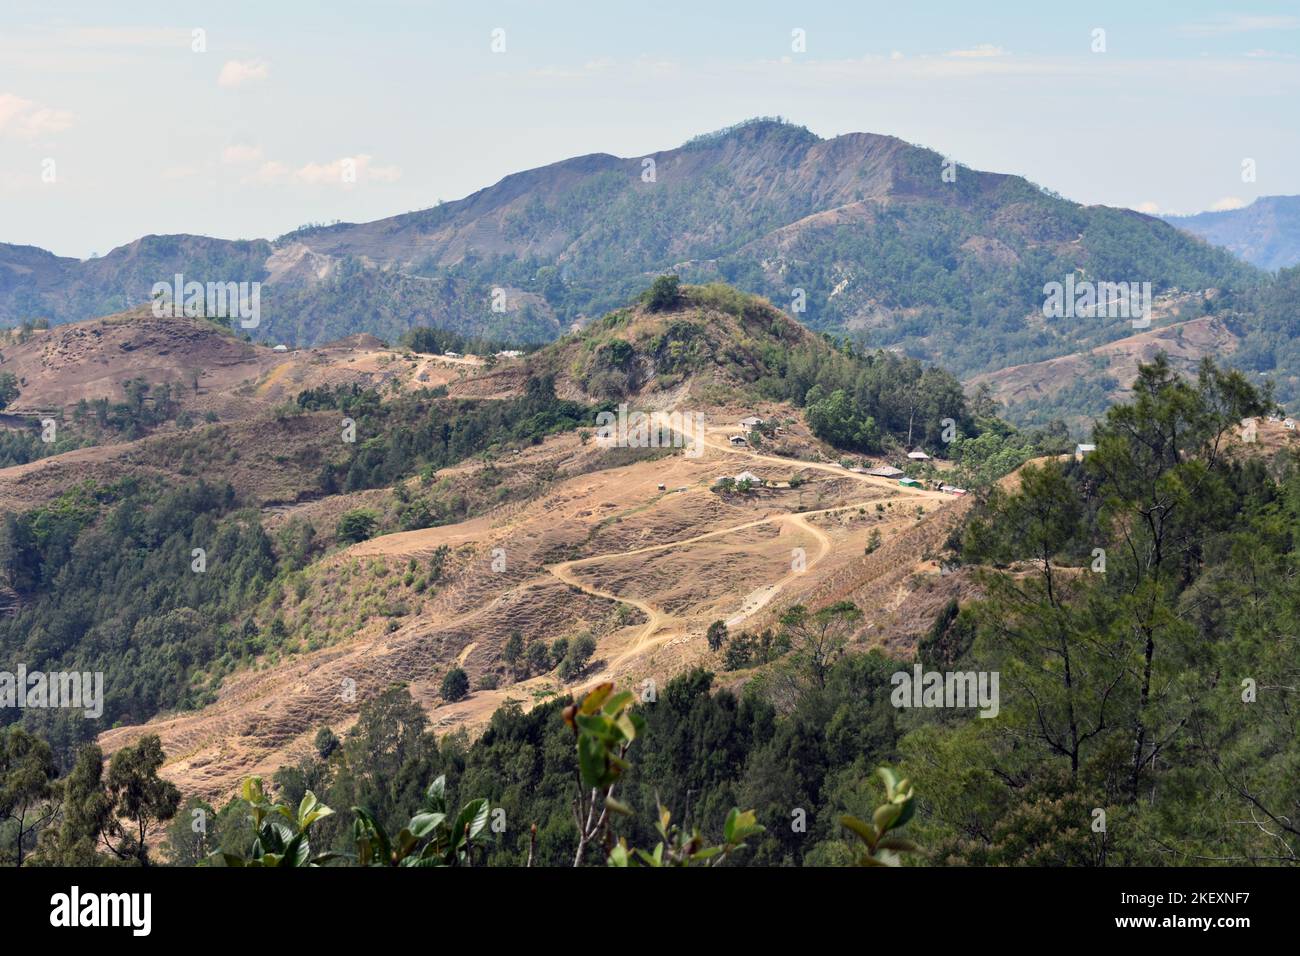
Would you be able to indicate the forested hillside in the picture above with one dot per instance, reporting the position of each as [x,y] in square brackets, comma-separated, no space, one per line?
[1136,606]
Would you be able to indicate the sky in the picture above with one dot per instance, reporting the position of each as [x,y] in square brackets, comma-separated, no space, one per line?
[248,119]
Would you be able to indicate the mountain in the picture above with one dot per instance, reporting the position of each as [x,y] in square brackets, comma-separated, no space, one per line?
[878,239]
[1266,233]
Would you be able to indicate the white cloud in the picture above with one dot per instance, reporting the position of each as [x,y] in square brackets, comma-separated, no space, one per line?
[1149,207]
[1269,55]
[345,171]
[270,172]
[241,155]
[1238,23]
[982,50]
[236,73]
[25,119]
[1226,203]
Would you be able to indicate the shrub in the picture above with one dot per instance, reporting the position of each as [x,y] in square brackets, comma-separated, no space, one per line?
[665,293]
[356,525]
[455,686]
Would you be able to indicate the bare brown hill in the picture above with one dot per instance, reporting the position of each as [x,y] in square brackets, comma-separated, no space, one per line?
[643,568]
[1186,343]
[208,367]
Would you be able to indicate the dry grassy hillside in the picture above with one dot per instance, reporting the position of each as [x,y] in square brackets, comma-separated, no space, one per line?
[1186,343]
[635,548]
[642,570]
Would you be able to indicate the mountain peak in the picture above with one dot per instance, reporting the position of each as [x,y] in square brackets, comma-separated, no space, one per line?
[757,129]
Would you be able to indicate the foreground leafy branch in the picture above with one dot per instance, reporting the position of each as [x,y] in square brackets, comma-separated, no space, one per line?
[446,842]
[606,726]
[879,848]
[281,832]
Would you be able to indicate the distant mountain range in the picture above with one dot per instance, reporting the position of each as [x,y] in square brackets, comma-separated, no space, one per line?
[878,239]
[1266,233]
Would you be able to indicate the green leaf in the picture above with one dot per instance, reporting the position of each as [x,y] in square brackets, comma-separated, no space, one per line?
[627,726]
[886,816]
[383,847]
[437,794]
[591,761]
[591,703]
[475,817]
[617,703]
[890,778]
[298,852]
[865,831]
[422,824]
[909,808]
[619,856]
[740,825]
[897,843]
[617,806]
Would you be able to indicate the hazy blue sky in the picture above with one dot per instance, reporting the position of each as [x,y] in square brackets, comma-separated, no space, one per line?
[248,138]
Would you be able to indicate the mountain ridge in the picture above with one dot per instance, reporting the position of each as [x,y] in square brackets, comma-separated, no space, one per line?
[861,234]
[1265,233]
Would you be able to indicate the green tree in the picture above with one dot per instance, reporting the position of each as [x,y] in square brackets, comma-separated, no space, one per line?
[818,638]
[8,388]
[141,799]
[664,293]
[539,657]
[27,774]
[716,635]
[193,834]
[356,525]
[513,651]
[1161,458]
[85,815]
[455,685]
[577,656]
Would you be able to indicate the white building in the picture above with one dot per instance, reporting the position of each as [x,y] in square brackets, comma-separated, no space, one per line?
[1081,450]
[918,455]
